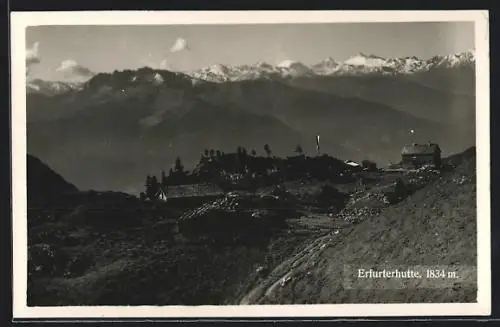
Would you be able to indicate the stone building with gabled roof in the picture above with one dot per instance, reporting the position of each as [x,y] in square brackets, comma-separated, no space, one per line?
[417,155]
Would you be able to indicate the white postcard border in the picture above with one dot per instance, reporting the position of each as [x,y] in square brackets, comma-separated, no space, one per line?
[19,22]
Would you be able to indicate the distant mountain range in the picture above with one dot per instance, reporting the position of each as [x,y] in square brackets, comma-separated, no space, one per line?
[360,64]
[39,86]
[112,130]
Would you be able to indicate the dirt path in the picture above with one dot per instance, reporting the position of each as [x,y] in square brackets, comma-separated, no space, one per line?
[305,261]
[300,264]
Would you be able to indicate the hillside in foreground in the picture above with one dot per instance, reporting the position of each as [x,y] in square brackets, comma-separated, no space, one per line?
[435,226]
[286,245]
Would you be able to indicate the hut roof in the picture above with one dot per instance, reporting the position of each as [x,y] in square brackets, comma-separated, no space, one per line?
[352,163]
[415,149]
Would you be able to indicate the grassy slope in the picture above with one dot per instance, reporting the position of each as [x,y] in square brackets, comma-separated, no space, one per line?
[434,226]
[125,269]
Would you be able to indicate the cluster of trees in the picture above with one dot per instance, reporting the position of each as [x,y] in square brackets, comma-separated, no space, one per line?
[241,152]
[217,165]
[220,168]
[211,153]
[176,175]
[369,165]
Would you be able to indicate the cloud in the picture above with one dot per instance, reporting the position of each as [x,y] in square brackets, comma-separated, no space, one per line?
[179,45]
[32,56]
[71,69]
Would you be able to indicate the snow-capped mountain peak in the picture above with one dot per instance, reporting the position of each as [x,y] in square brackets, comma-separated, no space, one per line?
[465,58]
[215,72]
[362,59]
[288,63]
[218,68]
[291,68]
[359,64]
[327,66]
[329,61]
[51,87]
[263,64]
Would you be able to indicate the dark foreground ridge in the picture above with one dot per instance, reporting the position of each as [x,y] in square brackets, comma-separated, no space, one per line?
[286,242]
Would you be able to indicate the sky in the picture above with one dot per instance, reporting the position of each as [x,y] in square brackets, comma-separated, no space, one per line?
[72,52]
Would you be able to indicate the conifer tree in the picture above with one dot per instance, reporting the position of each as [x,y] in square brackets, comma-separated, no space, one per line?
[155,187]
[149,187]
[179,168]
[267,148]
[163,178]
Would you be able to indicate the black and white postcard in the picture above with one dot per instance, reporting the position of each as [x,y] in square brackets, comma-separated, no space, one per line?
[250,164]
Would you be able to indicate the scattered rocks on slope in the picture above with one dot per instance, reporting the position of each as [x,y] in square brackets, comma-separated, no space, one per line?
[235,216]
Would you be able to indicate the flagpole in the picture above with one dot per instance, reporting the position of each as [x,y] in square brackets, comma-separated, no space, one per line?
[317,145]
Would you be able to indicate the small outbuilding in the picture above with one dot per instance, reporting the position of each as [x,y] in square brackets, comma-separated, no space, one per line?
[418,155]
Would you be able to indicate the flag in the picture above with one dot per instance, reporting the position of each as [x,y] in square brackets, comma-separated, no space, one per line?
[317,143]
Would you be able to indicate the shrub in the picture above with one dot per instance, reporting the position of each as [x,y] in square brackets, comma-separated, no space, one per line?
[41,259]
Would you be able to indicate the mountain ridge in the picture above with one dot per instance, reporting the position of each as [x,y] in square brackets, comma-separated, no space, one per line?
[359,64]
